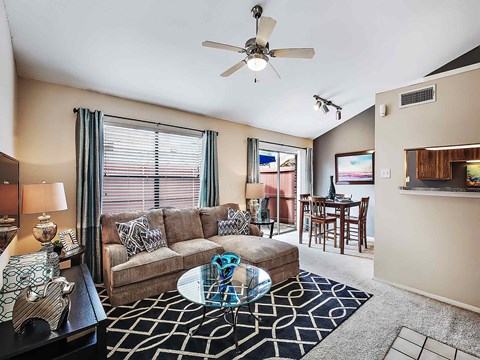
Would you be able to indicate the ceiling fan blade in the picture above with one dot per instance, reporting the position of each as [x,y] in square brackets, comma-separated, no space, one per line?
[301,53]
[216,45]
[265,28]
[234,68]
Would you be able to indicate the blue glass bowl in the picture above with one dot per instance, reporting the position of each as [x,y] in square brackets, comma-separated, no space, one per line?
[226,264]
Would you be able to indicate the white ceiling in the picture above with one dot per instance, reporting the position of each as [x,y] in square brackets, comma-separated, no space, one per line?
[150,50]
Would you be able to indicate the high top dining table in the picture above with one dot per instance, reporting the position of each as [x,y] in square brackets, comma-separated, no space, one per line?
[341,205]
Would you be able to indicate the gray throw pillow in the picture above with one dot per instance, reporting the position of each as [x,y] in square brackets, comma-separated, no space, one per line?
[153,240]
[227,227]
[242,219]
[129,234]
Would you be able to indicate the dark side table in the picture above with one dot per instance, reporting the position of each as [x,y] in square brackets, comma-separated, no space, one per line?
[82,336]
[270,223]
[75,256]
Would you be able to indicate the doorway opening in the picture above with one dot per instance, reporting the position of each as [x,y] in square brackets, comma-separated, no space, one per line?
[278,171]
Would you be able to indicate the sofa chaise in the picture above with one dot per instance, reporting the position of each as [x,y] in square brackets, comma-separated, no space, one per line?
[192,238]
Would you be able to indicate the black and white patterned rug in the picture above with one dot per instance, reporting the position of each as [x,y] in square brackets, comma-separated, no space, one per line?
[296,315]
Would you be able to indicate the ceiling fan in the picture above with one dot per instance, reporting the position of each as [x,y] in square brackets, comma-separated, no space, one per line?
[257,49]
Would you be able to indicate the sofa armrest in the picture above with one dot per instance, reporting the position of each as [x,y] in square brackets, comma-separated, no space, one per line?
[255,231]
[113,255]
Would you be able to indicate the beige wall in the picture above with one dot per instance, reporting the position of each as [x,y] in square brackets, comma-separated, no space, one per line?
[46,144]
[8,78]
[356,134]
[428,243]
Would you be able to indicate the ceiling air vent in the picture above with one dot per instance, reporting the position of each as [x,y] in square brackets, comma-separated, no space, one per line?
[418,96]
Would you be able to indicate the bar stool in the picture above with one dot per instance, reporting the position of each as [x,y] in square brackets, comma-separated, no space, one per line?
[306,208]
[360,222]
[319,217]
[337,210]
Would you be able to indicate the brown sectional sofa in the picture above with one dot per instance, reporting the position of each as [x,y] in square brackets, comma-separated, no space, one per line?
[192,239]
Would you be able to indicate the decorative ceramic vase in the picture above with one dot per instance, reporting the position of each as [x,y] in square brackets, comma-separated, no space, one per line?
[226,264]
[331,191]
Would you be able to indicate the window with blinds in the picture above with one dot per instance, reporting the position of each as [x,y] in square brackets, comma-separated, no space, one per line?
[148,169]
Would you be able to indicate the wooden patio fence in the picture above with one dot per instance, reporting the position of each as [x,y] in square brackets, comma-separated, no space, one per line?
[287,193]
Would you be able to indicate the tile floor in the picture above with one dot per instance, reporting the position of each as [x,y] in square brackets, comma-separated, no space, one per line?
[411,345]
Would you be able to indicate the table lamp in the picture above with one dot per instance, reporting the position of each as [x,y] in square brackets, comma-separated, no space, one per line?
[42,198]
[254,192]
[8,206]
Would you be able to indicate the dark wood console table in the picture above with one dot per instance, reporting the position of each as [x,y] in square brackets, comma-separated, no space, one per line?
[83,336]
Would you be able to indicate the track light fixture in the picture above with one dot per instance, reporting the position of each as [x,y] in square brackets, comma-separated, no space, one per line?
[324,105]
[325,108]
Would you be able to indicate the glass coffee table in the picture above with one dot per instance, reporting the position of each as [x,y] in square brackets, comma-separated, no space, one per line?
[201,285]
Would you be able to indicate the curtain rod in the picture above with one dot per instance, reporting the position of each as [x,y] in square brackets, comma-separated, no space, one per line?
[75,110]
[274,143]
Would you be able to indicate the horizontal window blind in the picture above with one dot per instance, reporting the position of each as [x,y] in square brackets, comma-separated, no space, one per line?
[146,169]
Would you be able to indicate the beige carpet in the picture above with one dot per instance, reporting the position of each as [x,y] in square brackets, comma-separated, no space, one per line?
[369,333]
[351,249]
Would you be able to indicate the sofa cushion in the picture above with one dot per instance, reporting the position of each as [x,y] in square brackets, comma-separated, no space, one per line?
[146,265]
[227,227]
[153,240]
[242,218]
[129,233]
[196,252]
[182,224]
[109,230]
[210,216]
[262,252]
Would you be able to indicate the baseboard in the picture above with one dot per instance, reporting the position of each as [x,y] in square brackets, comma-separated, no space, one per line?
[433,296]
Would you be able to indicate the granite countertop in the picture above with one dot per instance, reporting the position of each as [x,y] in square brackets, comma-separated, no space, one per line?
[439,189]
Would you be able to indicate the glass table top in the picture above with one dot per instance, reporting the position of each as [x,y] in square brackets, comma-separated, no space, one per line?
[201,285]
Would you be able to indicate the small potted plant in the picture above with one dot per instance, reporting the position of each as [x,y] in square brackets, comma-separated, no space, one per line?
[57,246]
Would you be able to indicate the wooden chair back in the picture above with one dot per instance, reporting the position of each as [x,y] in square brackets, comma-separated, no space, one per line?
[306,206]
[362,212]
[317,206]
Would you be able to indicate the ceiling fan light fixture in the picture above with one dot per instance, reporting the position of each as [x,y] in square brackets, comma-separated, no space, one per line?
[257,62]
[317,105]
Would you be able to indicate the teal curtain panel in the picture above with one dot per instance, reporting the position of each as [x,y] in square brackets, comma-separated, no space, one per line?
[209,190]
[89,147]
[253,161]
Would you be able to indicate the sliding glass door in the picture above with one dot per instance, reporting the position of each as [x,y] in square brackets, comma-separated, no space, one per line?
[278,171]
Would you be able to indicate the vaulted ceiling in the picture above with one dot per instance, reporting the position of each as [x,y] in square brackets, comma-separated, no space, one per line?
[150,50]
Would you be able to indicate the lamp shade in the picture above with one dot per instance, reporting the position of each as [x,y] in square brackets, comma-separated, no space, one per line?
[255,191]
[8,199]
[40,198]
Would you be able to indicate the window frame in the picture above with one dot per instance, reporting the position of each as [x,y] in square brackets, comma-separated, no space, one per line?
[157,129]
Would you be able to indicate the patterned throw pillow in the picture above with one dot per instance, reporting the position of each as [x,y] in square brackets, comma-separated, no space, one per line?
[129,234]
[227,227]
[243,220]
[153,240]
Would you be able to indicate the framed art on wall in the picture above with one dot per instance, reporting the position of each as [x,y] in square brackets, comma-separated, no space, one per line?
[473,175]
[355,168]
[69,241]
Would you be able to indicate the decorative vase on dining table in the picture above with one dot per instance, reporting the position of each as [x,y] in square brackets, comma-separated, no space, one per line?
[331,191]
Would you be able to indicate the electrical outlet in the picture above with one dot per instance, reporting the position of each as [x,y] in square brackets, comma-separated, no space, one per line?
[385,173]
